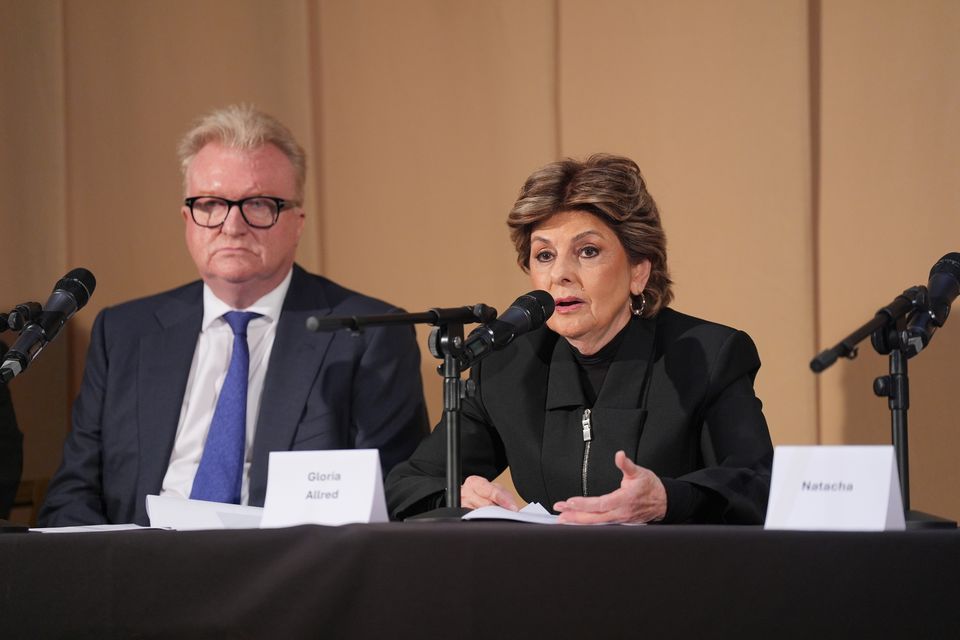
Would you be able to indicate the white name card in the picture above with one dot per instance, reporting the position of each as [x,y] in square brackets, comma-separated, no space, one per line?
[835,488]
[324,487]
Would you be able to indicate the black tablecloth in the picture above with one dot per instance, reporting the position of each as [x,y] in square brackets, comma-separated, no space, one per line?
[480,580]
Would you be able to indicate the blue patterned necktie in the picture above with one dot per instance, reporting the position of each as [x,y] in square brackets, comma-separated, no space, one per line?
[220,473]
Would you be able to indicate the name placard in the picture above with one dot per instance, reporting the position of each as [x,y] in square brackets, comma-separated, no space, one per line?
[835,488]
[323,487]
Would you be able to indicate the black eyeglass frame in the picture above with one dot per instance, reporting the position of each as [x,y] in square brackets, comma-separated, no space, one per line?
[280,202]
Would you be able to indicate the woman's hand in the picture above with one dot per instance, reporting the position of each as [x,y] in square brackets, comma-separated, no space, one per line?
[640,498]
[479,492]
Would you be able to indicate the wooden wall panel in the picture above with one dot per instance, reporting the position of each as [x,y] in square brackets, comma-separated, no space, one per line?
[432,115]
[890,205]
[137,74]
[711,100]
[33,224]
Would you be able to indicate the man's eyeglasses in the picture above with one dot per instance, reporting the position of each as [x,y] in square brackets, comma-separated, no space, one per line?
[260,212]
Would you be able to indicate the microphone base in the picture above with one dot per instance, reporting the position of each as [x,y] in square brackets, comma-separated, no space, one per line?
[441,514]
[12,527]
[920,520]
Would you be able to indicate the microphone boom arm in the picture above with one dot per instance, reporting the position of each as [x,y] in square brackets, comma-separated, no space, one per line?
[437,316]
[908,301]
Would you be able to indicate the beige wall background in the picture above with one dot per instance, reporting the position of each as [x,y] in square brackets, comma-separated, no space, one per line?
[804,155]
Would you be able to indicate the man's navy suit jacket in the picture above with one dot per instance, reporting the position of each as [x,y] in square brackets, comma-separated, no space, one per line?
[328,390]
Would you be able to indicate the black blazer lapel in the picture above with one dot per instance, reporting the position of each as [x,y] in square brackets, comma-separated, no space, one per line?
[561,457]
[162,372]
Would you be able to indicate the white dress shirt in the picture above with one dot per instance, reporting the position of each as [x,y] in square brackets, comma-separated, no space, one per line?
[211,359]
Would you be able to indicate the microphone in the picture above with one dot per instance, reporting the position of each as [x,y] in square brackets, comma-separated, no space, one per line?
[527,313]
[69,295]
[21,315]
[942,290]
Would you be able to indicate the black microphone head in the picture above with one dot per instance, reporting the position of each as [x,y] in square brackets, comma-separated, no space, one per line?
[79,283]
[943,287]
[527,313]
[538,304]
[949,263]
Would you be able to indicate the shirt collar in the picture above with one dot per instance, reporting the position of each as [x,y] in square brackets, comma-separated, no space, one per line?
[269,306]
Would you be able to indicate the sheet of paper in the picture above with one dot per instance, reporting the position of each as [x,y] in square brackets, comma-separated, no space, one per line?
[190,515]
[90,528]
[533,513]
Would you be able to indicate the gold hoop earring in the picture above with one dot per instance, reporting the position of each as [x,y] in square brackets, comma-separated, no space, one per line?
[643,305]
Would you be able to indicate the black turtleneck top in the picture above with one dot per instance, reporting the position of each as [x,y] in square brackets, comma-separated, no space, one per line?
[593,368]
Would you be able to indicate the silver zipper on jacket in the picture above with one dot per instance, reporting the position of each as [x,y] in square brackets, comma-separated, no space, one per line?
[587,437]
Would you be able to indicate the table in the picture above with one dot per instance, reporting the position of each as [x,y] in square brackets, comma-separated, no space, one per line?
[480,580]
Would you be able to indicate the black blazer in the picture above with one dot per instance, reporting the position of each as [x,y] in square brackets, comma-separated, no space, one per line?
[322,391]
[11,448]
[678,398]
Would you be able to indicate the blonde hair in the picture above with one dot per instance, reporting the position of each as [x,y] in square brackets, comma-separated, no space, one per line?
[611,188]
[243,126]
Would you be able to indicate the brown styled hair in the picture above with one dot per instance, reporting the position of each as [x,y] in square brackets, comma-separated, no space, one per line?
[611,188]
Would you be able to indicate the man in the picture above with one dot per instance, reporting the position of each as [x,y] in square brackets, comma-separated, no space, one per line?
[187,392]
[11,449]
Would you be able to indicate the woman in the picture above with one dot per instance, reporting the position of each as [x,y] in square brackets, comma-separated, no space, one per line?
[621,409]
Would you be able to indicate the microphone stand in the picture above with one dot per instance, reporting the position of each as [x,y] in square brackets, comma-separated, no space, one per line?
[886,335]
[906,302]
[446,343]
